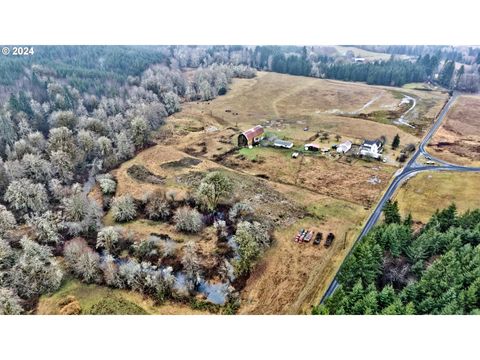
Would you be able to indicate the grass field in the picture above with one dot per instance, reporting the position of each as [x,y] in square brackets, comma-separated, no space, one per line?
[90,296]
[428,191]
[288,104]
[292,277]
[332,177]
[458,140]
[420,86]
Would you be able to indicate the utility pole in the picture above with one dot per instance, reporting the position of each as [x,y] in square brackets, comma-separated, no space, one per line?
[299,167]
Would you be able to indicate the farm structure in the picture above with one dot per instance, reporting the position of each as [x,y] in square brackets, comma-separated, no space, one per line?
[283,144]
[372,148]
[312,147]
[251,136]
[344,147]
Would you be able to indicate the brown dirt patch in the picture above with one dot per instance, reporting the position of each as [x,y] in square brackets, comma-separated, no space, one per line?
[458,140]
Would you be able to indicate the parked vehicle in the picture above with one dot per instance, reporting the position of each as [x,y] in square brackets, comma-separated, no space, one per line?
[295,155]
[318,238]
[300,233]
[302,237]
[308,236]
[329,240]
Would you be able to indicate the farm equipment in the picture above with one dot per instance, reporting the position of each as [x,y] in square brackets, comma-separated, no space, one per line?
[318,238]
[329,240]
[308,236]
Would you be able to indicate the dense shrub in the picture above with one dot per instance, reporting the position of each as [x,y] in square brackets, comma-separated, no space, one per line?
[252,239]
[36,271]
[107,185]
[47,227]
[114,306]
[7,220]
[157,208]
[213,187]
[9,302]
[123,209]
[188,220]
[82,260]
[26,196]
[107,238]
[240,212]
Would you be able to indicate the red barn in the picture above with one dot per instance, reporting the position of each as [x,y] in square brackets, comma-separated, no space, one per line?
[251,136]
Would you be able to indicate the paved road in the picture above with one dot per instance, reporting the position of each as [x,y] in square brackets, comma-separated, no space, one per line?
[409,170]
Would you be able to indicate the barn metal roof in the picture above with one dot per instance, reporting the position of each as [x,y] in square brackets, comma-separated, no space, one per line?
[253,132]
[283,143]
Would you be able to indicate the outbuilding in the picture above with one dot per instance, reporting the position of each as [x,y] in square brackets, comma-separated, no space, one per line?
[283,144]
[312,147]
[344,147]
[251,136]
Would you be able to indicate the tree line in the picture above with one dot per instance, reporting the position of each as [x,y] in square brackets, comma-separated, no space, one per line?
[102,70]
[397,270]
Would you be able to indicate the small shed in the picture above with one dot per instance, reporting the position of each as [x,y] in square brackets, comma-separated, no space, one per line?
[251,136]
[283,144]
[312,147]
[344,147]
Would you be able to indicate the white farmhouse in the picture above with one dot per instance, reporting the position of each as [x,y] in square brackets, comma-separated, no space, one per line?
[371,148]
[344,147]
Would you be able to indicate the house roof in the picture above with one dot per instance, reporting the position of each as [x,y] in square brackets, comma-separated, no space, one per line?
[253,132]
[372,142]
[346,144]
[313,145]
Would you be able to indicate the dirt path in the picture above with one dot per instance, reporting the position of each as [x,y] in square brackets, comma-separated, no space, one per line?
[401,119]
